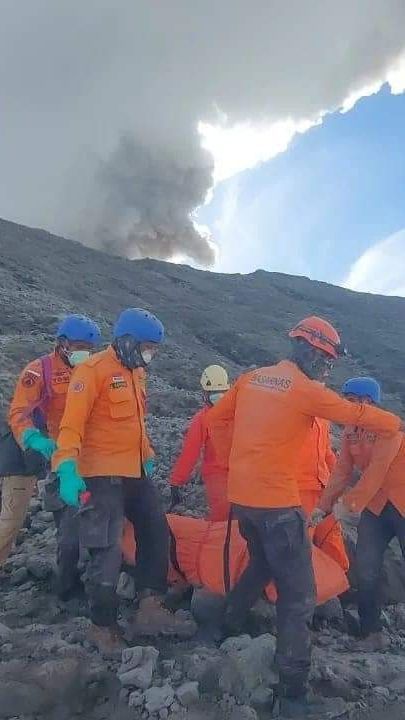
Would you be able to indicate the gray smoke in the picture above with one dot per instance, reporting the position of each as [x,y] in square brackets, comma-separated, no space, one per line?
[100,102]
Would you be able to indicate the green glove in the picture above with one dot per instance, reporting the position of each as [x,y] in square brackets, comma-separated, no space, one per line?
[71,485]
[149,467]
[33,439]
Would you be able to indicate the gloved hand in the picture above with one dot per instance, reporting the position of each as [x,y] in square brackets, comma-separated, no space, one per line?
[33,439]
[175,496]
[342,514]
[149,466]
[316,517]
[71,485]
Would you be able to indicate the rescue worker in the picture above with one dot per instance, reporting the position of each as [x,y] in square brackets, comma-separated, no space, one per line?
[379,495]
[198,444]
[272,409]
[314,468]
[104,451]
[34,418]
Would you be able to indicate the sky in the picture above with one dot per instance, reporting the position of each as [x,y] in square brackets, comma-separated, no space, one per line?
[210,132]
[331,207]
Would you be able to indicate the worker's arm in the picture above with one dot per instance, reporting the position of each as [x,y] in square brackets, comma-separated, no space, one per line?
[190,452]
[27,395]
[384,452]
[317,400]
[79,403]
[339,479]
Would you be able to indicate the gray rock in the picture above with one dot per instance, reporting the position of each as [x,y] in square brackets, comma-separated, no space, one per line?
[247,664]
[163,714]
[39,567]
[5,633]
[18,577]
[138,666]
[243,712]
[157,698]
[168,667]
[188,694]
[126,587]
[136,699]
[43,516]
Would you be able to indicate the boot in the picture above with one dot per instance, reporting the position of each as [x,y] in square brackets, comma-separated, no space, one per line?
[152,619]
[375,642]
[108,641]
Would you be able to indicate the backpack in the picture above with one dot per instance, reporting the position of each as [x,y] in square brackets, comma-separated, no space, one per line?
[14,460]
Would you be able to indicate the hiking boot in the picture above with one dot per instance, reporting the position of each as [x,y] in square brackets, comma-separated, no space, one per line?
[108,641]
[152,619]
[375,642]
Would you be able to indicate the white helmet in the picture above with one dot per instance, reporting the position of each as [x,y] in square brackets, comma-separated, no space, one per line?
[215,379]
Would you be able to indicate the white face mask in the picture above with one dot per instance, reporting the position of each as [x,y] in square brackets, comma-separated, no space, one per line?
[76,357]
[216,397]
[147,356]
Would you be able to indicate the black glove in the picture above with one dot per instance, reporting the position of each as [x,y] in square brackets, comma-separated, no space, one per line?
[175,497]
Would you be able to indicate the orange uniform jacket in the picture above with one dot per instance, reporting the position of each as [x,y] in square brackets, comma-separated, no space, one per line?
[29,390]
[103,425]
[317,459]
[198,442]
[273,409]
[381,461]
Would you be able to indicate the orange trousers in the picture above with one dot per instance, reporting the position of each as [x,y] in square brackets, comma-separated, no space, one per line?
[327,536]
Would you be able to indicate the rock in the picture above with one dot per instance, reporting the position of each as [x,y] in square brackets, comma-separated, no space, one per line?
[163,714]
[157,698]
[18,577]
[136,699]
[138,666]
[188,693]
[39,567]
[35,506]
[382,692]
[168,667]
[207,608]
[45,517]
[247,664]
[5,633]
[243,712]
[126,587]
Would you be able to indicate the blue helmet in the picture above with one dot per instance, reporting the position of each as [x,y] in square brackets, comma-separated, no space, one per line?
[140,324]
[363,387]
[79,328]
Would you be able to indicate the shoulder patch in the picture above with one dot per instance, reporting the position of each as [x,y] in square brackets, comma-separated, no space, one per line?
[29,378]
[78,386]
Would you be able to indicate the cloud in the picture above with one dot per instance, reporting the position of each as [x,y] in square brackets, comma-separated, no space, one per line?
[101,104]
[381,268]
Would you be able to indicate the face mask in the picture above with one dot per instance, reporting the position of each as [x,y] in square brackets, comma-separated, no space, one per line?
[147,356]
[76,357]
[216,397]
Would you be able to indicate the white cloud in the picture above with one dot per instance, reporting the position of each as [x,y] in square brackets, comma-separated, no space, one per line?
[381,269]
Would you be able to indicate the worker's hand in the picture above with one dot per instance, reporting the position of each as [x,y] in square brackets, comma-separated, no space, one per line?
[342,514]
[316,517]
[149,467]
[33,439]
[175,497]
[71,484]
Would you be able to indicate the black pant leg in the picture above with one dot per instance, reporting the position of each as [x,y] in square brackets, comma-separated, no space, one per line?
[374,535]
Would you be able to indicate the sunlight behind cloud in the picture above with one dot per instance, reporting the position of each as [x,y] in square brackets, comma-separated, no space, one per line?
[381,268]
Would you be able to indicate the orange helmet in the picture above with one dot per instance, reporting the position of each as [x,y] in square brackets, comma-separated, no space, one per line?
[318,333]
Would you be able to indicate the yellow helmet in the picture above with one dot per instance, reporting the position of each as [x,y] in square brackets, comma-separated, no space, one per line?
[215,379]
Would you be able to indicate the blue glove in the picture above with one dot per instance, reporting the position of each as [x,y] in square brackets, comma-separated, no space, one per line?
[71,485]
[33,439]
[149,467]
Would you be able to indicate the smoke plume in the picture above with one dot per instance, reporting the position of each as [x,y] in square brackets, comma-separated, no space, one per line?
[101,102]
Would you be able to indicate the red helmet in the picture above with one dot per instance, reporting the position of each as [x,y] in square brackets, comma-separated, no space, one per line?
[318,333]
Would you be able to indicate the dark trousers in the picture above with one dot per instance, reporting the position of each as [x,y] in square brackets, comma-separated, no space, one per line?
[279,550]
[374,535]
[100,529]
[68,550]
